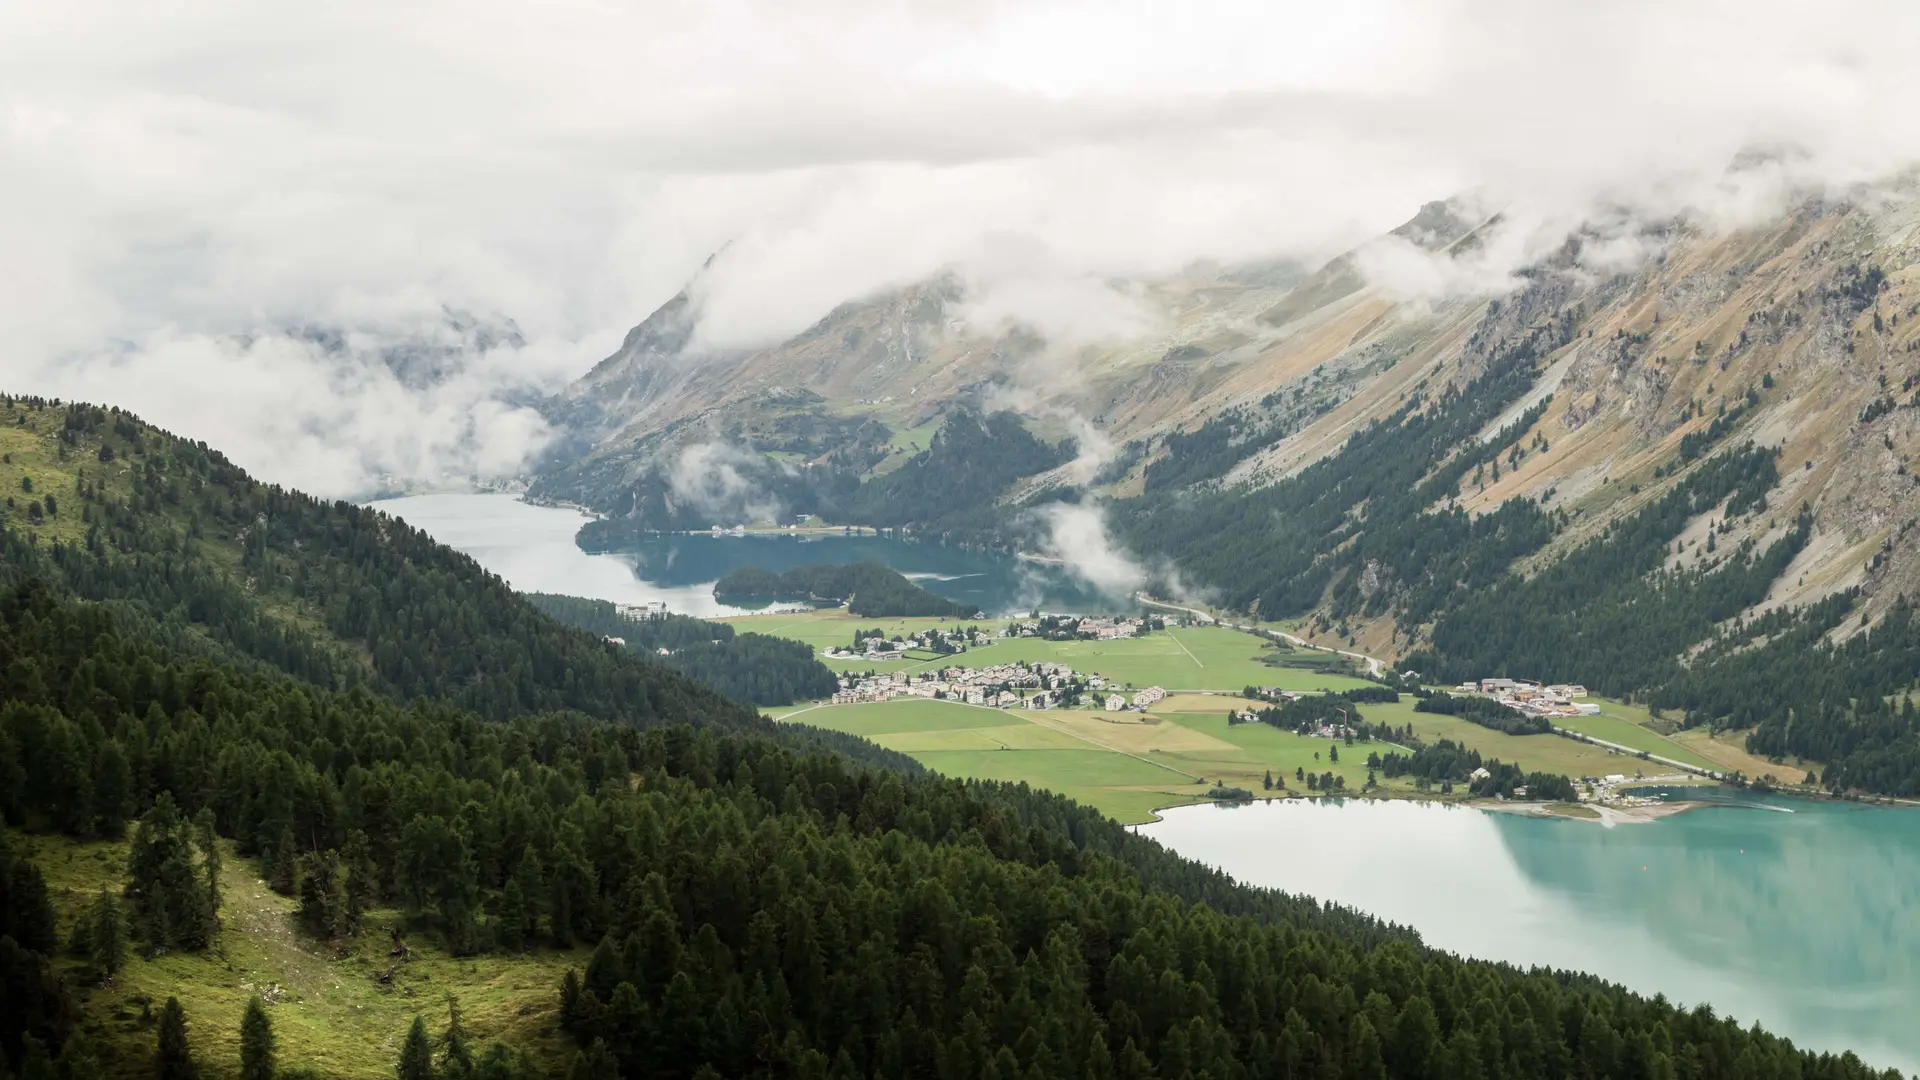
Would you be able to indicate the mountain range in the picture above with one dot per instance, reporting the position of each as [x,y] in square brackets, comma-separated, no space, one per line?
[1796,333]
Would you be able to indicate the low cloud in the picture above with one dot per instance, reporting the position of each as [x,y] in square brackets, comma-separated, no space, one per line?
[1076,535]
[716,478]
[180,184]
[332,418]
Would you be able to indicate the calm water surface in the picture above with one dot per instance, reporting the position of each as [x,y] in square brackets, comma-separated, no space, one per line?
[1804,916]
[533,548]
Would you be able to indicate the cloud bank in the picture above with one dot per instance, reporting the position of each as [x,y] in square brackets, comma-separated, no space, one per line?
[184,187]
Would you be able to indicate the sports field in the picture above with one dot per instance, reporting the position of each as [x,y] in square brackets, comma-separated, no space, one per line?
[1195,658]
[1125,764]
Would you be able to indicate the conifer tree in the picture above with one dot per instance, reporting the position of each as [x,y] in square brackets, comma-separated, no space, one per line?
[285,872]
[169,898]
[363,874]
[112,790]
[173,1058]
[26,914]
[208,838]
[416,1056]
[106,937]
[257,1045]
[596,1062]
[457,1063]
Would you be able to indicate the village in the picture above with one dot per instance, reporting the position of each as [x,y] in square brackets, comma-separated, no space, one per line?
[1532,698]
[929,643]
[1083,628]
[1002,686]
[942,641]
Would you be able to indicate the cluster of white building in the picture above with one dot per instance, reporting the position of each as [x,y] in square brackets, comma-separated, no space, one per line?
[1606,789]
[934,639]
[1141,700]
[1100,628]
[1533,699]
[1004,686]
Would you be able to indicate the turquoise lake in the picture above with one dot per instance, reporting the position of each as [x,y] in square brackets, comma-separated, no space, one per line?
[1803,916]
[533,548]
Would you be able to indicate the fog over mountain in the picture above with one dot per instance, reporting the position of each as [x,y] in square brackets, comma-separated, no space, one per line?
[355,240]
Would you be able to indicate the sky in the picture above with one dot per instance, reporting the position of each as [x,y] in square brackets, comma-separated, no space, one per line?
[233,217]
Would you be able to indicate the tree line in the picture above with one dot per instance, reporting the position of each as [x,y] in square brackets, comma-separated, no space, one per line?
[753,668]
[869,589]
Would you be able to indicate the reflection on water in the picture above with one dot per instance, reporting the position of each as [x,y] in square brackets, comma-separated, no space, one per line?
[533,548]
[1808,922]
[998,584]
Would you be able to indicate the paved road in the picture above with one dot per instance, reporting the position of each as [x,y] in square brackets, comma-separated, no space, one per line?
[1695,769]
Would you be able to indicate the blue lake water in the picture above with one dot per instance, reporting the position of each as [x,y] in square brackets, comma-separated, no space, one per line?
[1802,915]
[532,547]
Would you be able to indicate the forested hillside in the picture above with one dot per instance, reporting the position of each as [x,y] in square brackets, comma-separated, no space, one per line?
[949,489]
[192,552]
[757,912]
[749,667]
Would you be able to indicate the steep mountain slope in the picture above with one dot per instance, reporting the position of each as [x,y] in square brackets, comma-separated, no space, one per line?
[191,552]
[1375,448]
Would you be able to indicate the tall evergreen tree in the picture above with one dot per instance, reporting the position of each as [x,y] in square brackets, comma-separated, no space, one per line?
[416,1055]
[106,937]
[173,1057]
[457,1062]
[207,836]
[286,871]
[258,1048]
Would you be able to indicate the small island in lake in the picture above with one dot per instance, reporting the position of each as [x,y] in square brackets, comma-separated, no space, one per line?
[868,589]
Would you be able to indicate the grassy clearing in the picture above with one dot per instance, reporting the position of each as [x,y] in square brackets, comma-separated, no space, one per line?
[1125,764]
[1615,728]
[1544,753]
[1196,658]
[1728,750]
[328,1011]
[29,457]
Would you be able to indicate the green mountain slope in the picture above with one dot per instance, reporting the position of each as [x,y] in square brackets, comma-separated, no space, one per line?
[757,912]
[190,551]
[1392,472]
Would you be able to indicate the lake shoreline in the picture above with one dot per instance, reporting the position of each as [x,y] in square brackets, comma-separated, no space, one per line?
[1779,918]
[1607,816]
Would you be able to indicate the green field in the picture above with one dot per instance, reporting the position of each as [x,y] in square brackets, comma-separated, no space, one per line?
[329,1013]
[1196,658]
[1543,753]
[1126,765]
[1615,724]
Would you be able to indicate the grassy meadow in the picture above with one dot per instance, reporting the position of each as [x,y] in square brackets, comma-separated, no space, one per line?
[1193,658]
[1125,764]
[1129,765]
[329,1012]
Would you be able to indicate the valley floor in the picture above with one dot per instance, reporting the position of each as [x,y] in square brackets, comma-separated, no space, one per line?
[1131,764]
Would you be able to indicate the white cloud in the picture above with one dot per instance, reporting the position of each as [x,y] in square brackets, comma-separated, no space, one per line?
[713,476]
[1077,536]
[175,179]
